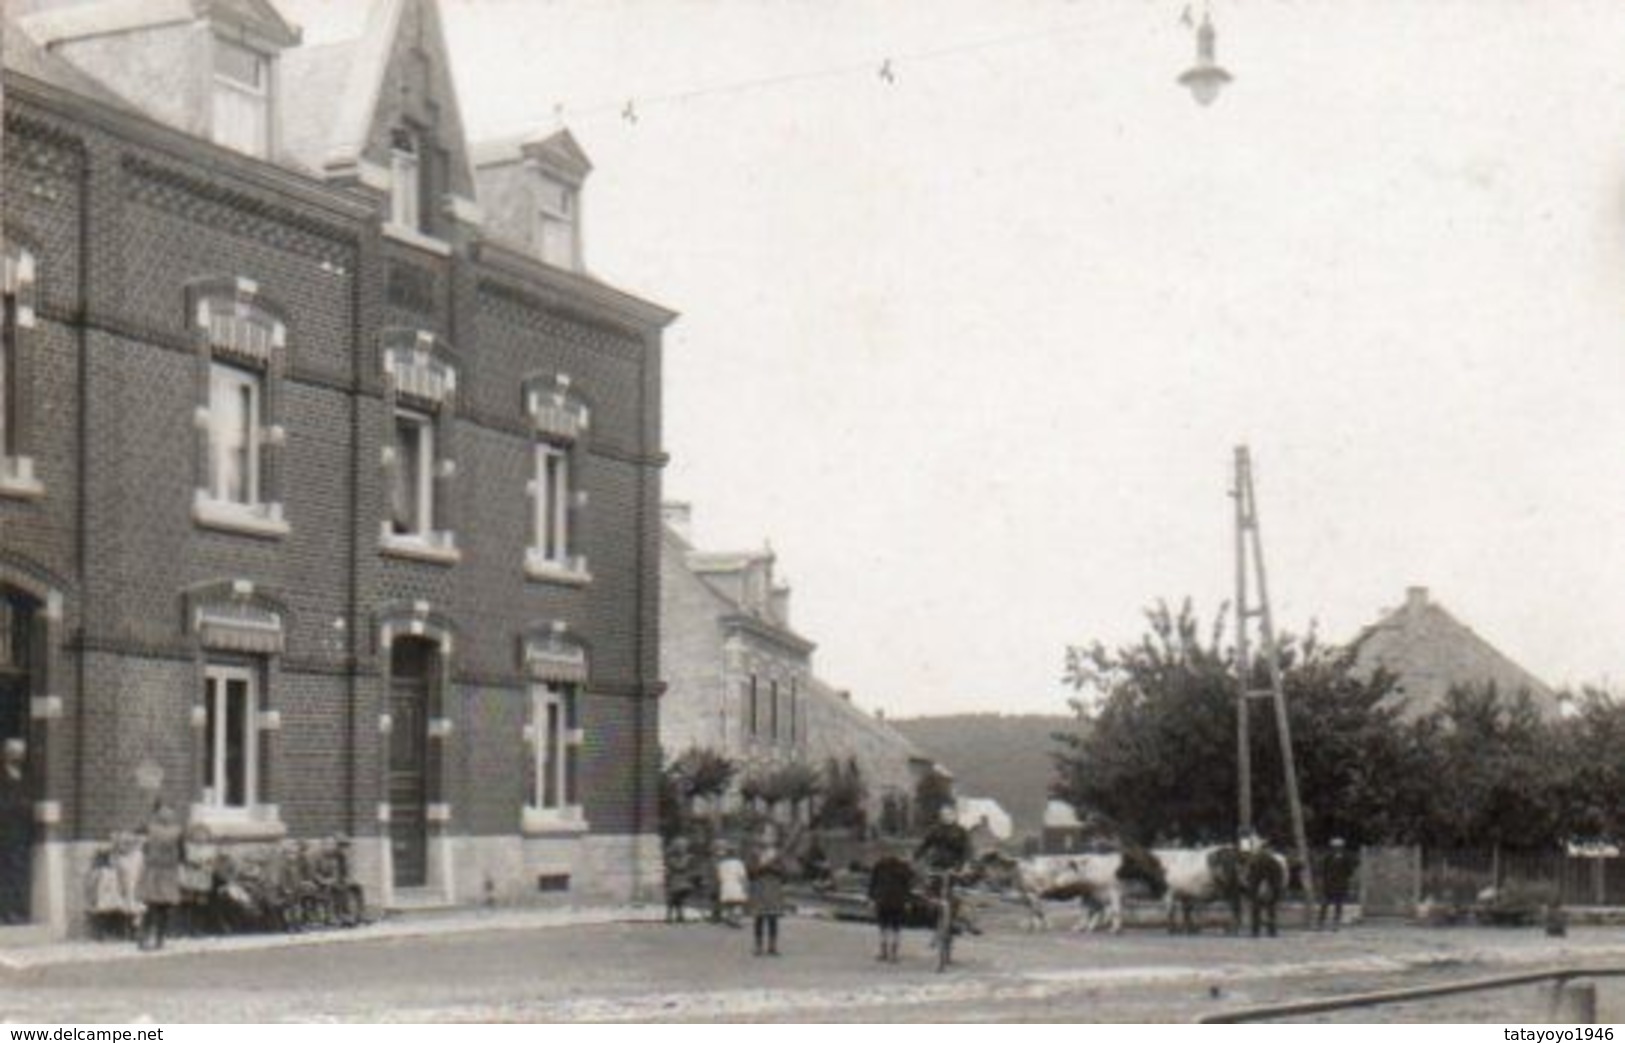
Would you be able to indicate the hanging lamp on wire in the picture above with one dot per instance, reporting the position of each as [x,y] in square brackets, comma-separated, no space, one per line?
[1206,78]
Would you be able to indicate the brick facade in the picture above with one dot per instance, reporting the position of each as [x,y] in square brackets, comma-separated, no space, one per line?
[124,218]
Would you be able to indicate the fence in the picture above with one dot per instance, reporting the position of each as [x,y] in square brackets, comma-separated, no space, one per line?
[1394,879]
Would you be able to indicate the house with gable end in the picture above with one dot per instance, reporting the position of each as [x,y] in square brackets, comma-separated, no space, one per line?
[329,478]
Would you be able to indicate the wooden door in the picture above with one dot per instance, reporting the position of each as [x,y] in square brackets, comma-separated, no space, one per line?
[411,662]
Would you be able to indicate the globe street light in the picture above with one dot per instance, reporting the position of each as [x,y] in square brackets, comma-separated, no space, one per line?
[1206,78]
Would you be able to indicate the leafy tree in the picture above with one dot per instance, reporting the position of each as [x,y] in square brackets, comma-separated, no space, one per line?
[1588,767]
[1491,778]
[1154,752]
[845,794]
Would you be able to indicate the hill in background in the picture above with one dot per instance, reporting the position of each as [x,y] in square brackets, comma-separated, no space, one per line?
[1003,756]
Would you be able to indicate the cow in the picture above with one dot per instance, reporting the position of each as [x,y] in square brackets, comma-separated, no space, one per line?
[1096,881]
[1196,876]
[1223,873]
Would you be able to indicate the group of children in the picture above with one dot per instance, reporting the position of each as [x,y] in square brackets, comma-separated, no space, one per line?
[737,885]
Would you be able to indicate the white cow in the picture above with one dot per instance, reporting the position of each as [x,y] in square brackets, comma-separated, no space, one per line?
[1196,876]
[1096,881]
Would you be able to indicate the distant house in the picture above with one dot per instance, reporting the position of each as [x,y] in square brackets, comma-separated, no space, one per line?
[1429,651]
[1063,832]
[740,678]
[984,818]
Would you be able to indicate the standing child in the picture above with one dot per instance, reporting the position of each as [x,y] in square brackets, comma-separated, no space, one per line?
[679,879]
[731,885]
[767,897]
[890,883]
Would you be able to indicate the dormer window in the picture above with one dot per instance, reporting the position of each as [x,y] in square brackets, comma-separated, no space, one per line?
[557,214]
[406,182]
[242,99]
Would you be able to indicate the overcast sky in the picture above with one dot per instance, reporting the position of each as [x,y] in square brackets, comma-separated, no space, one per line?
[972,347]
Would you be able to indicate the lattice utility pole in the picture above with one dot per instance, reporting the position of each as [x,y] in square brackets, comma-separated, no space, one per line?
[1249,546]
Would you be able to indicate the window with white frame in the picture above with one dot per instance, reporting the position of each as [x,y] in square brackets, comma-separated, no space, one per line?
[235,396]
[8,379]
[230,741]
[551,534]
[242,98]
[412,507]
[559,420]
[557,219]
[557,744]
[17,295]
[406,182]
[240,346]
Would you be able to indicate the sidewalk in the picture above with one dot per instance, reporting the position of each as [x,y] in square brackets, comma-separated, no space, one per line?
[394,926]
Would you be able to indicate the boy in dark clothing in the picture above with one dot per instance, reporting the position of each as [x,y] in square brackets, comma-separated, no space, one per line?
[1336,877]
[890,883]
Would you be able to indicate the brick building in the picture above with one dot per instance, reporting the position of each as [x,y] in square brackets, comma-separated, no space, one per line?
[328,502]
[741,680]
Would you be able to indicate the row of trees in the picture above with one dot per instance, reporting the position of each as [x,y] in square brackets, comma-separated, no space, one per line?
[1154,751]
[698,780]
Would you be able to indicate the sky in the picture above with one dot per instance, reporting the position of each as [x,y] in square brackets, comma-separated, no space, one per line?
[971,346]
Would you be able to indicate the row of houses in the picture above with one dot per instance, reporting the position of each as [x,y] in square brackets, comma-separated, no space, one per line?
[741,681]
[330,478]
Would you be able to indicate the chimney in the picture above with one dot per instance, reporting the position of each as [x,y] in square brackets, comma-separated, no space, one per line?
[680,517]
[1416,599]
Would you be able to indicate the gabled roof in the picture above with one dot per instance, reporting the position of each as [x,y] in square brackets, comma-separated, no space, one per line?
[76,21]
[558,150]
[23,55]
[333,94]
[1429,651]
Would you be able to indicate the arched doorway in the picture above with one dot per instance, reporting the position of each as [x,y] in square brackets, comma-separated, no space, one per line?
[413,666]
[18,614]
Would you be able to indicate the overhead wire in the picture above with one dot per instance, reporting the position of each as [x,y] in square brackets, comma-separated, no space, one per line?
[889,67]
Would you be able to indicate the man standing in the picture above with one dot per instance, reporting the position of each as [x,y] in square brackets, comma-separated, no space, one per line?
[890,883]
[1336,877]
[16,823]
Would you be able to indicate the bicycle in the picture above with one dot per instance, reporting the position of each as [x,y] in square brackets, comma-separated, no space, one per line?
[947,903]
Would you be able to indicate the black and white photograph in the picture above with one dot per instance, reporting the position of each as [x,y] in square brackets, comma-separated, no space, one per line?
[724,512]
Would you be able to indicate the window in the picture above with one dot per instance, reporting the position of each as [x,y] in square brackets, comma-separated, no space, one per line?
[242,99]
[230,762]
[406,182]
[556,214]
[16,322]
[773,710]
[552,501]
[558,420]
[557,740]
[792,710]
[755,709]
[240,346]
[412,497]
[8,379]
[234,435]
[419,441]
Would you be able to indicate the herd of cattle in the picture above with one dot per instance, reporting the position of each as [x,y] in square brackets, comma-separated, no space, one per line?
[1183,878]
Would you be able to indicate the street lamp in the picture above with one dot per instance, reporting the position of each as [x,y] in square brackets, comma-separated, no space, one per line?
[1206,78]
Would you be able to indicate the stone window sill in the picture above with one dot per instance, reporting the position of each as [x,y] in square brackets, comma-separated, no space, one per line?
[543,570]
[260,822]
[262,520]
[17,478]
[544,822]
[437,549]
[412,237]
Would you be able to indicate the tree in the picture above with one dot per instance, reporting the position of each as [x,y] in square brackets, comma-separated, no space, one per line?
[1154,752]
[1491,780]
[698,774]
[845,795]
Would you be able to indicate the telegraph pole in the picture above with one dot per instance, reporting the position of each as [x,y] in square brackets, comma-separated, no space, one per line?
[1249,545]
